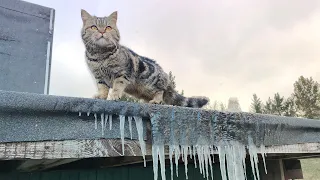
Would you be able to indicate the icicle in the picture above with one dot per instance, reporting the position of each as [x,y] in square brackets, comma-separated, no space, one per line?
[105,120]
[205,153]
[95,121]
[210,164]
[122,121]
[194,156]
[182,155]
[253,158]
[162,161]
[185,157]
[79,113]
[222,159]
[110,121]
[158,150]
[155,160]
[88,113]
[139,126]
[231,162]
[176,157]
[130,125]
[201,160]
[171,149]
[263,154]
[102,124]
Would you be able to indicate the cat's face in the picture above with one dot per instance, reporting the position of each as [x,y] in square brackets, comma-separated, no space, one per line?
[100,31]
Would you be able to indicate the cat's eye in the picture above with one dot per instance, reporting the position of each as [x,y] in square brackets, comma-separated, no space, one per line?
[108,28]
[94,27]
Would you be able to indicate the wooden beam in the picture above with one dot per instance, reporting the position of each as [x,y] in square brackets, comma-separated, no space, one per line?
[70,149]
[78,149]
[294,148]
[39,164]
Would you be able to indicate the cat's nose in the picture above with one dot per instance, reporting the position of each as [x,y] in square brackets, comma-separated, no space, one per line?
[102,32]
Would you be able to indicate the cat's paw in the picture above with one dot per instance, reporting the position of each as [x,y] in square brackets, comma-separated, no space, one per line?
[155,101]
[100,96]
[114,97]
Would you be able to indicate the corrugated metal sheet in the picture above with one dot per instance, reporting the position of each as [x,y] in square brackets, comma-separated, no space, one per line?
[26,34]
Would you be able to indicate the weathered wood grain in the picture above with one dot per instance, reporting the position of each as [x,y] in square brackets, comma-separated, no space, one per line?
[79,149]
[294,148]
[70,149]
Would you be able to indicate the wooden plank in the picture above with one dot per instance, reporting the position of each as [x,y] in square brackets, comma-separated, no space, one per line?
[295,148]
[70,149]
[78,149]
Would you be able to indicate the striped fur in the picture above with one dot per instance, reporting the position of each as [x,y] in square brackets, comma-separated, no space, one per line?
[117,67]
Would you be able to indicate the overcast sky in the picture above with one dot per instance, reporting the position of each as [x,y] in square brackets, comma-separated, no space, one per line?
[218,49]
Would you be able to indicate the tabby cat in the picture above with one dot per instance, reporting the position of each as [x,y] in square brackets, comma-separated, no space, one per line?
[117,67]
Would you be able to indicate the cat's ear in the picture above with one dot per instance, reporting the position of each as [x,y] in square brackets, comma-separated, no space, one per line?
[114,17]
[85,15]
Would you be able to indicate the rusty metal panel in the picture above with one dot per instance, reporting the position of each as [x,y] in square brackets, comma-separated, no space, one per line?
[26,34]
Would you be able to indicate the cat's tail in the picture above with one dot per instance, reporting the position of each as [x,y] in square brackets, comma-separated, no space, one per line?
[177,99]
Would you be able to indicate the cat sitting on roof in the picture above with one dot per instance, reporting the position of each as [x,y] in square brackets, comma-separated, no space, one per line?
[117,67]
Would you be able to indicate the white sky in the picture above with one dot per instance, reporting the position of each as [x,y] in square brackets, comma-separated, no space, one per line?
[218,49]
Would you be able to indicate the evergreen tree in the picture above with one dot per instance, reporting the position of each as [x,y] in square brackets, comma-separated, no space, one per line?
[290,108]
[222,107]
[172,79]
[218,106]
[277,105]
[267,109]
[182,92]
[256,105]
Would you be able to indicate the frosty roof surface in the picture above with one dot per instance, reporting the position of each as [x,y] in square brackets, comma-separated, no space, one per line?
[35,117]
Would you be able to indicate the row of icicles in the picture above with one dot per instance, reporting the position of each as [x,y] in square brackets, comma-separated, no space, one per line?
[232,154]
